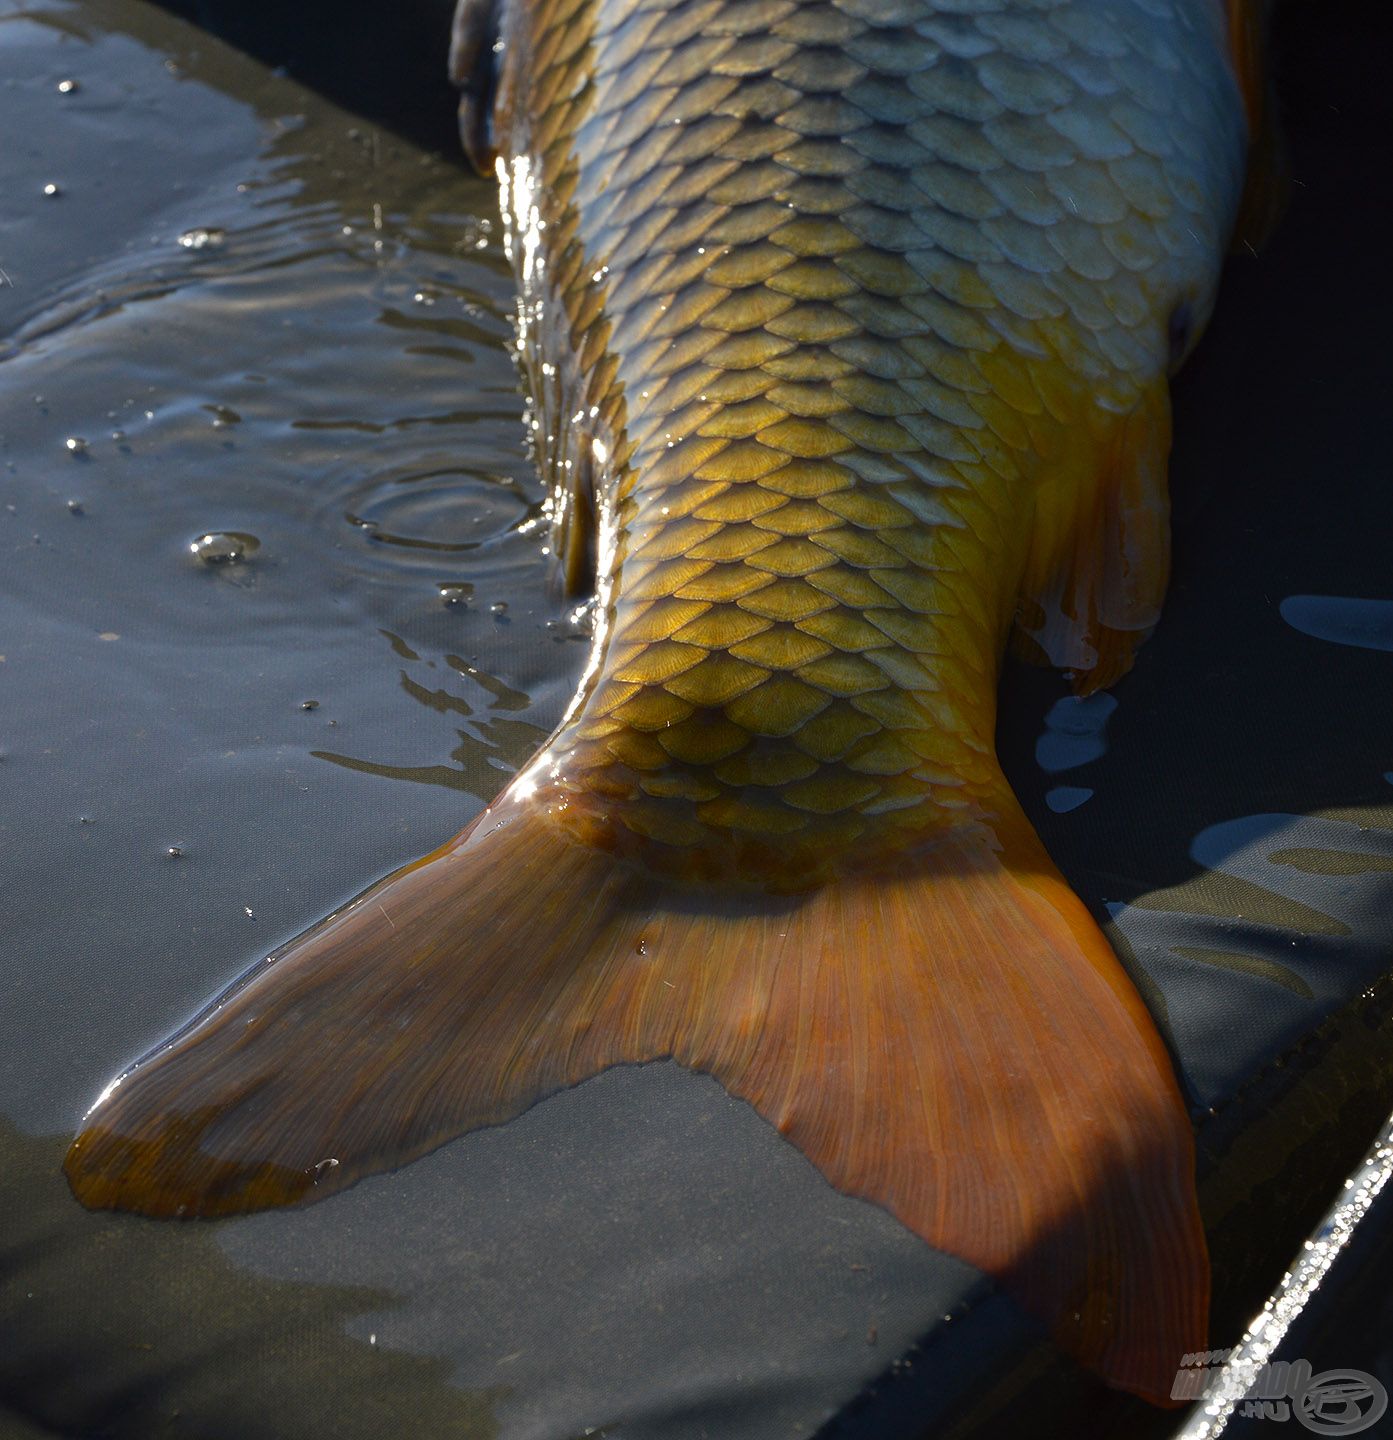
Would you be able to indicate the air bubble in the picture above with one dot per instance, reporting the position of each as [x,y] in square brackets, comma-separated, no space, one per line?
[224,547]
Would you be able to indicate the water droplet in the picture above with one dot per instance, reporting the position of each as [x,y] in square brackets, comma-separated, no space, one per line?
[75,507]
[224,547]
[75,445]
[85,820]
[475,236]
[248,912]
[174,851]
[498,609]
[1063,798]
[455,596]
[67,87]
[118,435]
[641,947]
[52,190]
[309,704]
[203,237]
[223,416]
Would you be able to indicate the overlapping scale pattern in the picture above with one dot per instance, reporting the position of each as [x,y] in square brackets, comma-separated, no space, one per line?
[840,307]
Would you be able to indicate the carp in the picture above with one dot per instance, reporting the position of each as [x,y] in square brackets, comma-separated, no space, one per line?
[847,326]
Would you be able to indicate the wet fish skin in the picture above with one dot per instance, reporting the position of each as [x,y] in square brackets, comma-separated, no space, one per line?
[847,327]
[855,321]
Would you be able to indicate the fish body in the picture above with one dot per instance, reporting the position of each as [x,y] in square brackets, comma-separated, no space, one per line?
[847,327]
[854,323]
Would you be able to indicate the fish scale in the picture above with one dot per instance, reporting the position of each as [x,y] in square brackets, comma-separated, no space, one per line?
[847,327]
[847,306]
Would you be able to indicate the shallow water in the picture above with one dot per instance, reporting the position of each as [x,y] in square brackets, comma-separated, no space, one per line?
[260,315]
[327,376]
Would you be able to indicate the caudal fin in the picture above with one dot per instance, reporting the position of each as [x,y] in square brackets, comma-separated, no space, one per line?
[953,1040]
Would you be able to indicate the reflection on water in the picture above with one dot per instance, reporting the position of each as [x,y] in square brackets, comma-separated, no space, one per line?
[506,744]
[1367,623]
[1075,730]
[1063,798]
[1074,736]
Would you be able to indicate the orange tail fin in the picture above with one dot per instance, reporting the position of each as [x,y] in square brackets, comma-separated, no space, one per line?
[954,1040]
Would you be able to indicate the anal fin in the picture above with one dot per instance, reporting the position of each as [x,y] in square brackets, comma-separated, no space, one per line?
[1091,598]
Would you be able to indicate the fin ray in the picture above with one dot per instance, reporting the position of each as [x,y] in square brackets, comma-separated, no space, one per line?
[1090,603]
[952,1039]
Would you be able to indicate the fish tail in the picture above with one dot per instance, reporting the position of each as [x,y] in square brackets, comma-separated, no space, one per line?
[951,1038]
